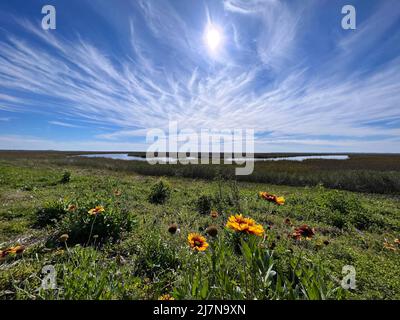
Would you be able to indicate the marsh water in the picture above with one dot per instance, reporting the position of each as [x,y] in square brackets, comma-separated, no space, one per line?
[126,156]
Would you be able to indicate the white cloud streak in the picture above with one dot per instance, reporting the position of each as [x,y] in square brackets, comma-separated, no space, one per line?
[19,142]
[63,124]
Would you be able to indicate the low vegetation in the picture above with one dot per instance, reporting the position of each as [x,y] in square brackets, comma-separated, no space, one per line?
[121,235]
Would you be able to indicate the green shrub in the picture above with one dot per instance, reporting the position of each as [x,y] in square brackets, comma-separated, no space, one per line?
[154,256]
[85,228]
[339,208]
[27,187]
[337,219]
[361,220]
[204,204]
[160,192]
[50,214]
[341,202]
[66,177]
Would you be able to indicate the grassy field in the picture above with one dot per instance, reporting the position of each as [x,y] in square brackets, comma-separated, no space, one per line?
[135,246]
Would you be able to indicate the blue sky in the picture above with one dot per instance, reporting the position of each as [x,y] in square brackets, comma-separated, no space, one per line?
[114,69]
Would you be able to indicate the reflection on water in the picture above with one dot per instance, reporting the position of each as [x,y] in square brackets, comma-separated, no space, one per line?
[125,156]
[118,156]
[297,158]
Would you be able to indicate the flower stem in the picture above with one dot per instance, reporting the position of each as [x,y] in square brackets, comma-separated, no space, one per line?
[91,230]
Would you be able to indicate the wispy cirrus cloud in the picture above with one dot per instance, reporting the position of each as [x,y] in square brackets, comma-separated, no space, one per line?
[259,82]
[279,23]
[20,142]
[63,124]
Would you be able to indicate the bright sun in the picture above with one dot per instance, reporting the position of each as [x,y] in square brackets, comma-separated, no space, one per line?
[213,37]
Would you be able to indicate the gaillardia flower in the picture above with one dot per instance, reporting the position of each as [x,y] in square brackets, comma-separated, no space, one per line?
[71,208]
[214,214]
[303,231]
[12,250]
[239,223]
[197,242]
[172,228]
[287,222]
[271,198]
[96,210]
[212,231]
[63,238]
[17,249]
[389,246]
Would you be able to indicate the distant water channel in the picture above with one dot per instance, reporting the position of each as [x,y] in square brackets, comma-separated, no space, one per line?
[125,156]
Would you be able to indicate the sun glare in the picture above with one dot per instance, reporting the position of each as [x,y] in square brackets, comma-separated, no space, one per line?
[213,37]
